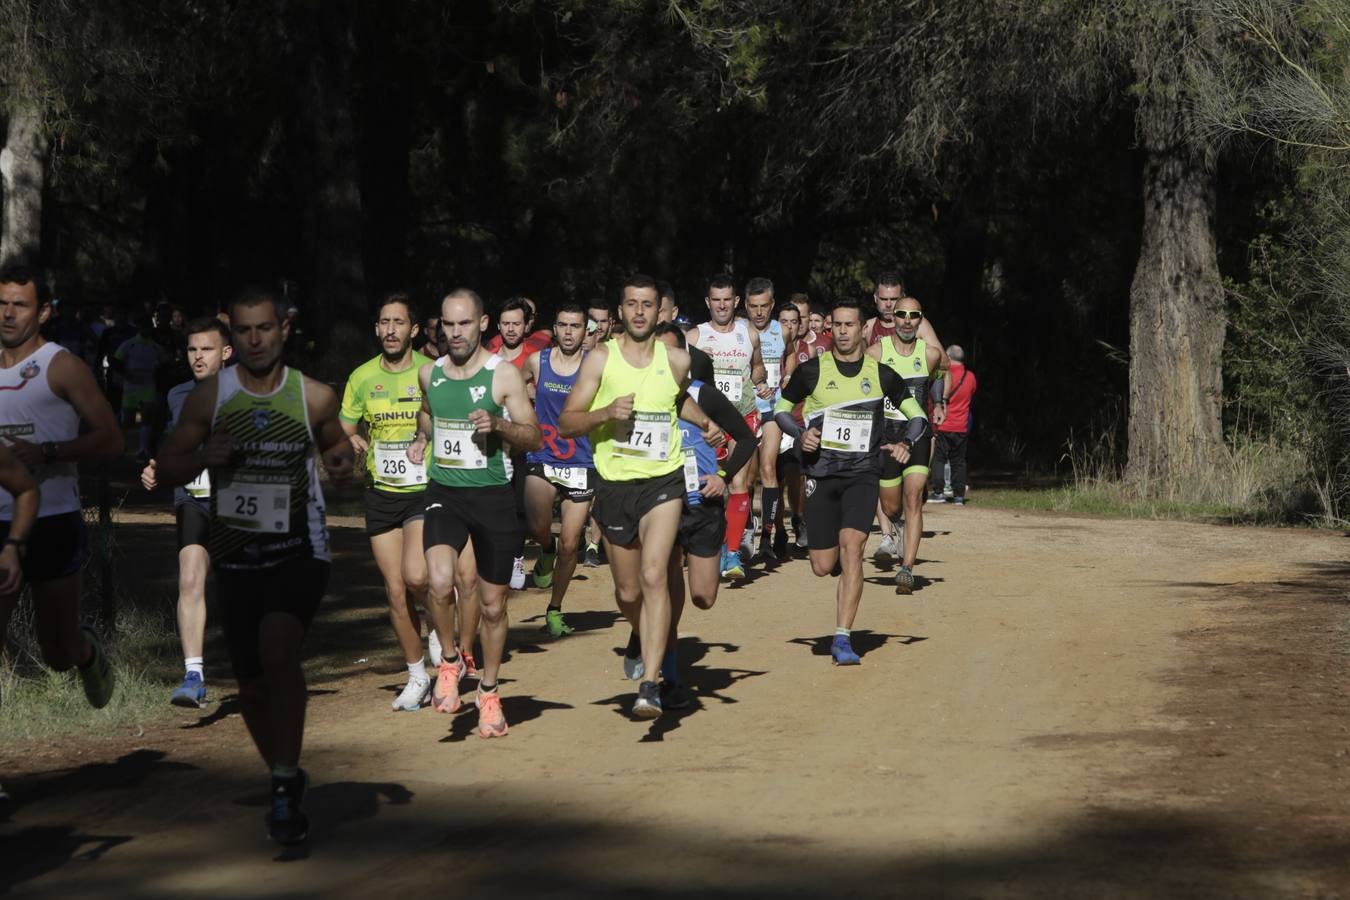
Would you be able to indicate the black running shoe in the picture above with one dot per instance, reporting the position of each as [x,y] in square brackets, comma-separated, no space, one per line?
[592,557]
[766,550]
[780,543]
[675,696]
[287,823]
[648,703]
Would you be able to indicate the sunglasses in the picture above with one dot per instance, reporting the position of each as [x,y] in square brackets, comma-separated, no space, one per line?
[914,314]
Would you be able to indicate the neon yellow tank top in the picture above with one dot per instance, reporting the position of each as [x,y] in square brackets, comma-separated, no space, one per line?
[648,445]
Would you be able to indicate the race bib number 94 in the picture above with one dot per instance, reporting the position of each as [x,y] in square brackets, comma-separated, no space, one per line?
[455,445]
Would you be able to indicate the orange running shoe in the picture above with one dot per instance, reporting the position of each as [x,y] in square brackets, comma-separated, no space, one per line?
[445,695]
[471,667]
[491,719]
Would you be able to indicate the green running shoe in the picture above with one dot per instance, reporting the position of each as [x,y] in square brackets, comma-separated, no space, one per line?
[97,675]
[554,623]
[543,566]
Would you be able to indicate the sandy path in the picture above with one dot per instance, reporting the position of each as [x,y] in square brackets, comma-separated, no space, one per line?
[1006,720]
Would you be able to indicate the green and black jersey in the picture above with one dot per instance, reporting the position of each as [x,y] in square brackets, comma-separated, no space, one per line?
[844,400]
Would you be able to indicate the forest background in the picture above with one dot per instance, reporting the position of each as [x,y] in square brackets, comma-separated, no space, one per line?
[1132,215]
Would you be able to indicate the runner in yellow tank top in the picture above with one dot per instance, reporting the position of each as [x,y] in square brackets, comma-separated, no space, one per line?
[626,396]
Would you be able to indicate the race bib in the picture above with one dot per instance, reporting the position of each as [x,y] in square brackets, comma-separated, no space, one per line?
[574,477]
[392,466]
[847,431]
[729,382]
[775,377]
[649,437]
[199,488]
[263,507]
[455,445]
[891,411]
[785,443]
[691,484]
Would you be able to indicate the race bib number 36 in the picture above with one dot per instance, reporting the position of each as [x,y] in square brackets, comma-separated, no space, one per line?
[392,466]
[455,446]
[729,382]
[847,431]
[648,439]
[263,507]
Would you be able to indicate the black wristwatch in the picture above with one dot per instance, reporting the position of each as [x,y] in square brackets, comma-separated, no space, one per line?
[19,543]
[49,451]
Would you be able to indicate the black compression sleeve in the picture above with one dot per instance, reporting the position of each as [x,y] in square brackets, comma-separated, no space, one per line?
[700,365]
[720,410]
[803,381]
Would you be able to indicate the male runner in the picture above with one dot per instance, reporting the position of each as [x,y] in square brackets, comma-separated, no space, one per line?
[384,396]
[18,483]
[208,347]
[915,362]
[46,394]
[139,359]
[625,399]
[561,467]
[472,405]
[842,393]
[772,348]
[256,426]
[740,375]
[787,464]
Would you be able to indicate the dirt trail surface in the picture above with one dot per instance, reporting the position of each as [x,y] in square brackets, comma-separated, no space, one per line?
[1069,707]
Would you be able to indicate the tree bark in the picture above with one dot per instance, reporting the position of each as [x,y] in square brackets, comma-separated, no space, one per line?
[1176,313]
[23,164]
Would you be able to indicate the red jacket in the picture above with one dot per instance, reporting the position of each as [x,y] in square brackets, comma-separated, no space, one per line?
[958,404]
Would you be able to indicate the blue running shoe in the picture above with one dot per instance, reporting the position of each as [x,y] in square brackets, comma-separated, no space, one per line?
[191,694]
[841,651]
[731,565]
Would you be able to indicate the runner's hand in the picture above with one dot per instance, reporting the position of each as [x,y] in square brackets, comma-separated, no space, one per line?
[714,435]
[29,454]
[148,476]
[10,570]
[898,451]
[417,450]
[359,444]
[764,391]
[713,486]
[621,409]
[482,421]
[340,467]
[811,440]
[939,414]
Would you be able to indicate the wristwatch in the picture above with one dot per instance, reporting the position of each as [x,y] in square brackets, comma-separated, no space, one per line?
[20,544]
[49,451]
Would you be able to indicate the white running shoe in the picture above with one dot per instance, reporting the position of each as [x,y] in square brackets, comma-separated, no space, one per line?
[887,550]
[415,695]
[518,574]
[434,648]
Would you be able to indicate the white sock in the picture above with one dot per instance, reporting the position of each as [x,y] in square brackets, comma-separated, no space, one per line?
[194,664]
[417,671]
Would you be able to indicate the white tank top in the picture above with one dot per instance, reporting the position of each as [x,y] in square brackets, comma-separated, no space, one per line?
[31,411]
[731,354]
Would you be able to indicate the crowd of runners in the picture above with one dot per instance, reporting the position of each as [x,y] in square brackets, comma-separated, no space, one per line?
[623,434]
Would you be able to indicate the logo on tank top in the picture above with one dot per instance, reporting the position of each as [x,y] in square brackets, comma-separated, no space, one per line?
[412,390]
[866,385]
[917,365]
[262,417]
[30,371]
[477,392]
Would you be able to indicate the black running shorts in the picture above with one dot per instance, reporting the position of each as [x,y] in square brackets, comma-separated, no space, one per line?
[893,472]
[568,492]
[293,587]
[194,524]
[835,502]
[55,547]
[620,505]
[485,515]
[391,510]
[703,528]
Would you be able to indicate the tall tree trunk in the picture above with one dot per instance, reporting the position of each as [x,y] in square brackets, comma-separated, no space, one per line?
[1176,309]
[22,166]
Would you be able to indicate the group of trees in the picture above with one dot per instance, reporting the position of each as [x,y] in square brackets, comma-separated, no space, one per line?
[1066,184]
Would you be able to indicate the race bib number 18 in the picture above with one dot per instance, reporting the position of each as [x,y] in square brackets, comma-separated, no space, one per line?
[847,431]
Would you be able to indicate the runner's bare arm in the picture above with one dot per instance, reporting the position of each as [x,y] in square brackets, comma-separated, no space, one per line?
[334,447]
[577,418]
[351,414]
[522,430]
[418,448]
[691,337]
[759,374]
[73,382]
[192,445]
[15,478]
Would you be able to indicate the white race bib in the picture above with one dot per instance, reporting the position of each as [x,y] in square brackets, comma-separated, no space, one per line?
[263,507]
[785,443]
[775,370]
[573,477]
[648,438]
[729,382]
[847,431]
[691,484]
[199,488]
[392,466]
[891,412]
[455,447]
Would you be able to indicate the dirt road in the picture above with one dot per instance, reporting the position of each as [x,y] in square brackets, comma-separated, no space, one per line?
[1070,707]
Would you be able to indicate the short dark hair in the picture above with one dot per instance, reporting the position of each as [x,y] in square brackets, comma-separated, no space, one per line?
[514,303]
[800,298]
[639,280]
[892,279]
[721,281]
[256,295]
[399,297]
[785,307]
[598,303]
[665,289]
[469,294]
[17,272]
[664,328]
[570,307]
[846,303]
[204,324]
[759,285]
